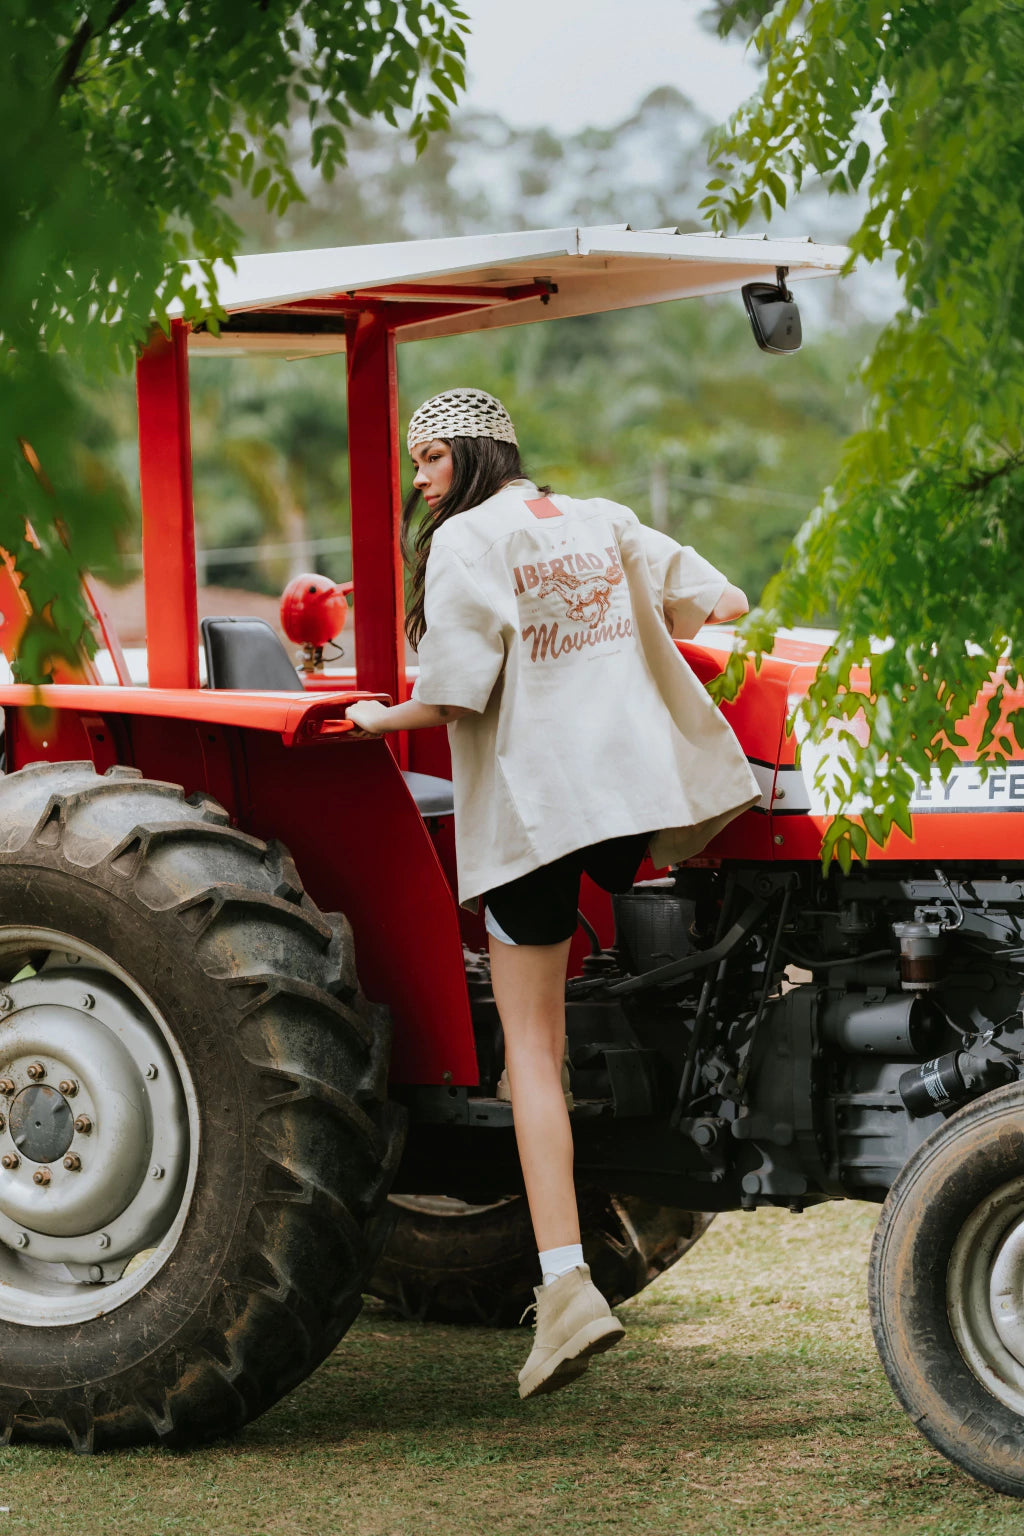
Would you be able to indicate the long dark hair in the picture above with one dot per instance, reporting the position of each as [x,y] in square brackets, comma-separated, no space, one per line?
[480,467]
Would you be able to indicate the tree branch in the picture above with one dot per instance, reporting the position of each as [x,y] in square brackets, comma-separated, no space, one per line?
[982,481]
[80,42]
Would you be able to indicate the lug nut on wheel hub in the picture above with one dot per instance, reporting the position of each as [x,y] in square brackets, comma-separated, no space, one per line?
[41,1176]
[68,1087]
[36,1070]
[72,1162]
[10,1160]
[6,1086]
[83,1125]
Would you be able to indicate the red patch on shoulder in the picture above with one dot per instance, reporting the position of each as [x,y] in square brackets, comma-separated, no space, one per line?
[545,507]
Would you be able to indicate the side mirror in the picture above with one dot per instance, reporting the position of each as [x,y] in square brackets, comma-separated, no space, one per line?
[773,315]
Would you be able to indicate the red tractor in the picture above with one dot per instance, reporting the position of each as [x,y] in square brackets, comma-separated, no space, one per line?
[214,1137]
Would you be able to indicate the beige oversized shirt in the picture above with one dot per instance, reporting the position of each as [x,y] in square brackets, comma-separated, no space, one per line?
[587,724]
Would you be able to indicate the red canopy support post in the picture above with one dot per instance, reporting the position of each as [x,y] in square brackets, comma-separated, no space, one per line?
[376,494]
[168,524]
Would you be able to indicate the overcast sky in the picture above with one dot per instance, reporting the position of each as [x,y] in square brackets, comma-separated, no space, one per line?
[573,63]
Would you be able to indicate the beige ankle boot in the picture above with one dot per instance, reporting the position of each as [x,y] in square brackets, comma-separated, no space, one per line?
[573,1322]
[504,1092]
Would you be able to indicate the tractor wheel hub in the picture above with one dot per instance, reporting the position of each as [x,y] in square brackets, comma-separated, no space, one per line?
[41,1123]
[80,1188]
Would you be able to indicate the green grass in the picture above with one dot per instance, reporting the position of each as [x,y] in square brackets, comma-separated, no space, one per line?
[746,1397]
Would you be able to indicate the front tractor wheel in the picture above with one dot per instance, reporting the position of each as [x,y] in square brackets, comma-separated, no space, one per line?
[947,1289]
[195,1147]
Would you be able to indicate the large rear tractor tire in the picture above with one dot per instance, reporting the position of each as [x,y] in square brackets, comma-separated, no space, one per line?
[196,1146]
[947,1289]
[449,1262]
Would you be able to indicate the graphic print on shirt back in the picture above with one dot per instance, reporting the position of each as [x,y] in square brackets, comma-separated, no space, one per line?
[573,604]
[586,598]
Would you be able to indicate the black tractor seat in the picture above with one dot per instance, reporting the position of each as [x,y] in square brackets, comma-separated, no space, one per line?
[246,653]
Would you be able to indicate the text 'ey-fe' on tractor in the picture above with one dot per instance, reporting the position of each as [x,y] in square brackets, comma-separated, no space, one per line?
[214,1137]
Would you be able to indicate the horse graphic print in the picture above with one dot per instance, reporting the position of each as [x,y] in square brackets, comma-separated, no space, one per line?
[573,603]
[586,598]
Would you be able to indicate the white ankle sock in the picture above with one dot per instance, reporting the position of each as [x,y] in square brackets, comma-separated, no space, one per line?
[555,1262]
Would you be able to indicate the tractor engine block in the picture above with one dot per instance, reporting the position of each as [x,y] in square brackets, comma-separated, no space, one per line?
[839,1029]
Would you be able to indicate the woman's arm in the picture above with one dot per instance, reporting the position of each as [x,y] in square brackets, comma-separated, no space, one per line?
[688,584]
[373,719]
[731,605]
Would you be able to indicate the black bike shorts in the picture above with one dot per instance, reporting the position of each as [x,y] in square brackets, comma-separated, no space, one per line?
[541,907]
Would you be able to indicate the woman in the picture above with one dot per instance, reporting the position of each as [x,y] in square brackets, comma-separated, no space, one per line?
[579,736]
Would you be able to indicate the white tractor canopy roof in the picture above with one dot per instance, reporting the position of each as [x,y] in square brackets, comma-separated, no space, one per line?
[299,303]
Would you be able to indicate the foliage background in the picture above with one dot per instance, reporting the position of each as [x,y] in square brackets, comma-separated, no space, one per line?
[918,543]
[126,127]
[671,409]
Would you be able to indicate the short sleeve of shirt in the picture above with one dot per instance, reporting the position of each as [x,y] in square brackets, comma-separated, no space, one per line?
[462,652]
[689,585]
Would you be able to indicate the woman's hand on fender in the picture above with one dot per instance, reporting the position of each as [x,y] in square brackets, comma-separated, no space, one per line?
[373,719]
[369,718]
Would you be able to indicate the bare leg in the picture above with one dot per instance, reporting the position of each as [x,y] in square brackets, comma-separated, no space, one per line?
[529,989]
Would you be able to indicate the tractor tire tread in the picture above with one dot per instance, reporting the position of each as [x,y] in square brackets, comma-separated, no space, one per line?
[313,1054]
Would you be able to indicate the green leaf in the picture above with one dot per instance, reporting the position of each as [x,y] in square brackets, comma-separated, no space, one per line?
[777,185]
[444,85]
[874,827]
[858,164]
[835,845]
[901,817]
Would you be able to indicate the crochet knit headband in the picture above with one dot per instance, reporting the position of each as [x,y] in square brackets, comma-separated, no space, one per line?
[461,413]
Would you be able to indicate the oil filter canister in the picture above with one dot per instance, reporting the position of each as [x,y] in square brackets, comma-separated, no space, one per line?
[950,1080]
